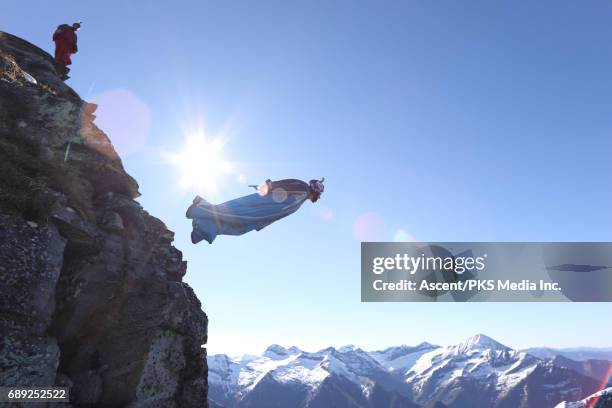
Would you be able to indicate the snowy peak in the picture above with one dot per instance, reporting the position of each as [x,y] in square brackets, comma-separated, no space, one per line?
[394,352]
[348,348]
[276,352]
[401,358]
[479,342]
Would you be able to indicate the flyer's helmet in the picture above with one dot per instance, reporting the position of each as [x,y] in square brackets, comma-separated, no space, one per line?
[316,189]
[316,186]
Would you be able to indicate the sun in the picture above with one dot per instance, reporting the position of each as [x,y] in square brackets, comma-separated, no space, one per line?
[201,163]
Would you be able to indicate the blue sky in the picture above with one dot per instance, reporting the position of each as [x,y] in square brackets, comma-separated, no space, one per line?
[442,121]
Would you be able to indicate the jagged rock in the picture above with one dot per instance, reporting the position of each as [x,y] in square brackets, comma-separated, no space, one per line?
[22,56]
[92,296]
[88,387]
[158,383]
[123,205]
[28,360]
[112,222]
[106,172]
[82,235]
[30,262]
[31,258]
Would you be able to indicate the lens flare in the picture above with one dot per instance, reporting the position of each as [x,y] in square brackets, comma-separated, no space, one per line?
[370,227]
[262,189]
[125,118]
[607,379]
[200,164]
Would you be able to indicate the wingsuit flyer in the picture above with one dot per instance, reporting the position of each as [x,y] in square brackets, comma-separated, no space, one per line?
[306,204]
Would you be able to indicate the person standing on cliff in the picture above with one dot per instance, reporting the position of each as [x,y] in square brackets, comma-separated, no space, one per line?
[65,39]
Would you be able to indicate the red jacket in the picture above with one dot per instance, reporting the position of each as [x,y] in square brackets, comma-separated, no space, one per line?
[65,43]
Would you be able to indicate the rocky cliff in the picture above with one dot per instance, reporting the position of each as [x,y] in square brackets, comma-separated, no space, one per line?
[92,291]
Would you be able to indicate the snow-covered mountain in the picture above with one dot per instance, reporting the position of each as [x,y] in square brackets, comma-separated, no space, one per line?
[401,358]
[597,369]
[481,372]
[292,377]
[478,372]
[601,399]
[576,354]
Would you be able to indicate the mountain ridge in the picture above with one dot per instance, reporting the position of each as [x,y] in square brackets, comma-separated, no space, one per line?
[573,353]
[478,371]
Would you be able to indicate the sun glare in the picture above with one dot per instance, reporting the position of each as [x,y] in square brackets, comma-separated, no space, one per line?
[201,164]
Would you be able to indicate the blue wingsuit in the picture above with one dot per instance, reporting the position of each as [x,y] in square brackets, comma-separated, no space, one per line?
[244,214]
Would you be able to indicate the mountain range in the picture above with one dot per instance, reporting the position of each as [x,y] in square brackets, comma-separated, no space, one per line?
[478,372]
[577,354]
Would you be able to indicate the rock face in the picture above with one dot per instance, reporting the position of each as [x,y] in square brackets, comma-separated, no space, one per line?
[92,291]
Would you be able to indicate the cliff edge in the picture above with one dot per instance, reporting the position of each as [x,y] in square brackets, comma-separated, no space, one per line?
[92,291]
